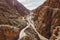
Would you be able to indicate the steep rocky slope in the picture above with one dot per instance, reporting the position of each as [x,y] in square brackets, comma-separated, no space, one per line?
[11,22]
[46,17]
[46,22]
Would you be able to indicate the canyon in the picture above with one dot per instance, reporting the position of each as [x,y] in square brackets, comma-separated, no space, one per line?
[42,23]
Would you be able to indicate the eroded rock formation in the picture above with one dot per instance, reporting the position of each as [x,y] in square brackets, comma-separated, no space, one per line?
[47,20]
[11,22]
[47,17]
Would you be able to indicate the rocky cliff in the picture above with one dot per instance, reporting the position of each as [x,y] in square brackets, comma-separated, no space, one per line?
[46,18]
[11,22]
[46,22]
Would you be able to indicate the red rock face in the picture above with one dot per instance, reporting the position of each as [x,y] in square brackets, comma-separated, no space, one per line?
[46,17]
[11,23]
[53,2]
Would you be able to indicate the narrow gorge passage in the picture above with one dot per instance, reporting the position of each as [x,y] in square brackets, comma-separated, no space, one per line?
[30,23]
